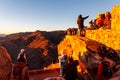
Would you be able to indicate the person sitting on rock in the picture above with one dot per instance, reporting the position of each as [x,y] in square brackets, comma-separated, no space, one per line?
[20,69]
[71,70]
[22,52]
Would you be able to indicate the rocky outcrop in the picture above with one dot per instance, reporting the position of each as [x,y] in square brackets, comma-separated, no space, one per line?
[88,52]
[109,37]
[5,64]
[41,46]
[96,43]
[115,12]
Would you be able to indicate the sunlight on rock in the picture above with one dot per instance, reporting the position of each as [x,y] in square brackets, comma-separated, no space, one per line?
[52,66]
[77,47]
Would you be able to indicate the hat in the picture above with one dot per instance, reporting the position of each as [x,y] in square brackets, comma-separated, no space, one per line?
[80,16]
[21,54]
[22,50]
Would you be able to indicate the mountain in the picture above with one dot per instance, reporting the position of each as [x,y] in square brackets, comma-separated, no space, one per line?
[2,35]
[41,46]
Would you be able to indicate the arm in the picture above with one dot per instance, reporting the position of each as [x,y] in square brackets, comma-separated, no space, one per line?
[85,17]
[83,68]
[100,67]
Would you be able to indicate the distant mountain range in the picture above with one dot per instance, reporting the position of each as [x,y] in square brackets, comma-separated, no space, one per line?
[2,35]
[41,46]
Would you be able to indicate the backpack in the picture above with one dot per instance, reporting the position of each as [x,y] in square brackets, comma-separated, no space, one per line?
[106,71]
[17,69]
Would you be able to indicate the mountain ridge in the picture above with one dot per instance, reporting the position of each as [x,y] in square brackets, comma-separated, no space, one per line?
[41,46]
[2,35]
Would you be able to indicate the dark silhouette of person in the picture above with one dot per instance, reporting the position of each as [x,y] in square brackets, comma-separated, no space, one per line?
[104,72]
[20,69]
[71,71]
[80,22]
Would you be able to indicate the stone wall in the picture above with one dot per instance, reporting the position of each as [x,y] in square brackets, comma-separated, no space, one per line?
[109,37]
[77,46]
[115,12]
[72,45]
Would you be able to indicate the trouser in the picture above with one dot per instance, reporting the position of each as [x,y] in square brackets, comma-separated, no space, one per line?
[62,68]
[79,31]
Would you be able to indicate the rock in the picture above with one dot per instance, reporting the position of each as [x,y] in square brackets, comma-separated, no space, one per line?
[5,64]
[41,47]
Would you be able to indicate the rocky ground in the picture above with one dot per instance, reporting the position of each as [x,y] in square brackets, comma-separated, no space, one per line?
[42,74]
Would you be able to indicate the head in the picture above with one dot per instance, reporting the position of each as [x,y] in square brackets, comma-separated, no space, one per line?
[22,51]
[5,64]
[70,59]
[63,52]
[65,57]
[80,16]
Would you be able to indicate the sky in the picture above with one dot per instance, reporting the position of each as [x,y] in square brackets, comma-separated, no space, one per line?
[48,15]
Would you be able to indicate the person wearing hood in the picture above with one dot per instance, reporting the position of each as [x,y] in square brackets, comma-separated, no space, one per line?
[23,53]
[20,69]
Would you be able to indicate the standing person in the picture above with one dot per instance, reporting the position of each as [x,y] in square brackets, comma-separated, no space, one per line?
[80,22]
[90,25]
[20,69]
[63,63]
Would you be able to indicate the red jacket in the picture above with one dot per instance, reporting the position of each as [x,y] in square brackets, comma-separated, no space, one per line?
[99,74]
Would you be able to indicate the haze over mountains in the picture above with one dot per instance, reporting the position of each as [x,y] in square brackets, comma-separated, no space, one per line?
[2,35]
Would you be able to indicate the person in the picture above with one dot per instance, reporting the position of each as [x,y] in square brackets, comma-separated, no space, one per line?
[105,71]
[22,52]
[107,21]
[20,69]
[71,72]
[80,22]
[95,24]
[90,24]
[63,62]
[5,64]
[100,20]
